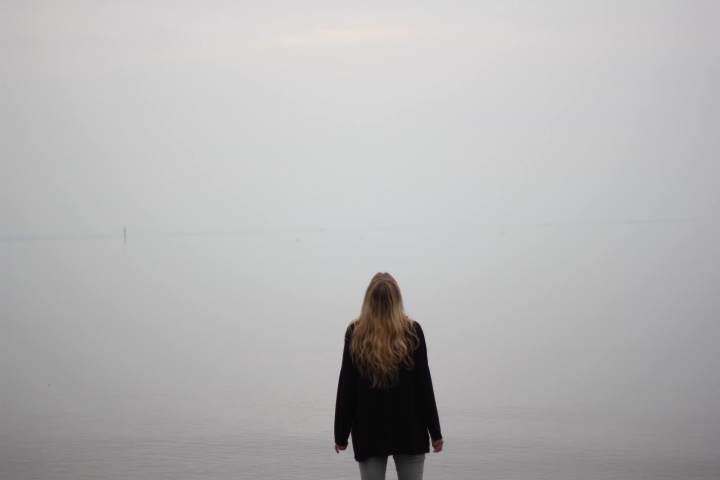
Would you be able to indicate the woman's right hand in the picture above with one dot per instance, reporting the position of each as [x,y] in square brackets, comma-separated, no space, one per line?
[437,445]
[338,448]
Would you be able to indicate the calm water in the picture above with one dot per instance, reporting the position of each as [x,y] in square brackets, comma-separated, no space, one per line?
[557,353]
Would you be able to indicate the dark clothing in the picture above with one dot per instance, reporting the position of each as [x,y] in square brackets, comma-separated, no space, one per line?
[387,421]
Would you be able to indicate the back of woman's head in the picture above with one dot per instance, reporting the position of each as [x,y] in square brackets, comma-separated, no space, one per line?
[383,340]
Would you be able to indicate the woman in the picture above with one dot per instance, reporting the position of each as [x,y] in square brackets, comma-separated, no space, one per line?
[385,395]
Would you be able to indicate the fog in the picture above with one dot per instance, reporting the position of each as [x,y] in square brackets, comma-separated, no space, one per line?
[233,116]
[194,195]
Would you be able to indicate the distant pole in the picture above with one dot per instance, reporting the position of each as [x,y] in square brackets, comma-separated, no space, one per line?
[125,234]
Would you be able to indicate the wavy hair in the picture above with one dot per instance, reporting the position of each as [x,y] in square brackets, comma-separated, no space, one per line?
[383,340]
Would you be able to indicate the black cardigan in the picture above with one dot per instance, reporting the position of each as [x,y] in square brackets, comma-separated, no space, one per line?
[387,421]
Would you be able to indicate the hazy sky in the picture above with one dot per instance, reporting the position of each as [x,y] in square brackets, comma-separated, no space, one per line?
[174,116]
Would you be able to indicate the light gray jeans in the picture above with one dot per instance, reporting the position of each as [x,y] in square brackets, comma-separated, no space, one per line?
[408,467]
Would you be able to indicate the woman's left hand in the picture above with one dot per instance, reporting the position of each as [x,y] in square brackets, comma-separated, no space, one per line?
[338,448]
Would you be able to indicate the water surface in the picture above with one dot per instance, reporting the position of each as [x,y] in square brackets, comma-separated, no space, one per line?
[557,352]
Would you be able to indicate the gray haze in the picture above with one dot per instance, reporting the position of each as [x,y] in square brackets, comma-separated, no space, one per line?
[540,177]
[224,116]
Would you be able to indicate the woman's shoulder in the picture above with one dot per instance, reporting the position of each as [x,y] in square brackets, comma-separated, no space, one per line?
[418,331]
[416,327]
[350,329]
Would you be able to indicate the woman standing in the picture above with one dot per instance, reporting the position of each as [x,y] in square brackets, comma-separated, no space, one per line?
[385,396]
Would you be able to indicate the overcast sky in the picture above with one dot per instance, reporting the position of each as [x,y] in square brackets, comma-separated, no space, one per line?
[180,116]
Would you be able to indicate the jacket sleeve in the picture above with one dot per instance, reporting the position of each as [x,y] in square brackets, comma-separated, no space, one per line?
[424,389]
[346,395]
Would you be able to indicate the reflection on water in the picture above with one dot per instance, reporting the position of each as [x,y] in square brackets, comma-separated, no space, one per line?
[556,353]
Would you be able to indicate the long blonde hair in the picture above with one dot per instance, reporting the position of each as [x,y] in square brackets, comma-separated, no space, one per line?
[383,339]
